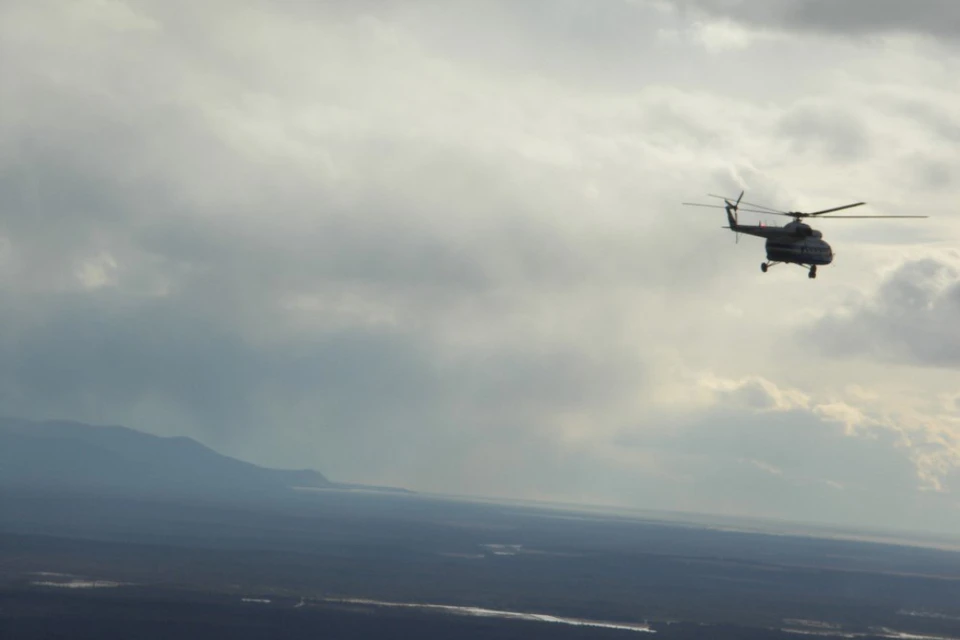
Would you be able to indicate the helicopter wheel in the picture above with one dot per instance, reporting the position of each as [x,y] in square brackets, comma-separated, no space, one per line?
[813,272]
[763,267]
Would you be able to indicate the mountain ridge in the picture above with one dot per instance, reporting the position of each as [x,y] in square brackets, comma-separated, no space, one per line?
[65,454]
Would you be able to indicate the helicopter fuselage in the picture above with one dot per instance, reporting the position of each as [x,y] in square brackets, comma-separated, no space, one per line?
[795,242]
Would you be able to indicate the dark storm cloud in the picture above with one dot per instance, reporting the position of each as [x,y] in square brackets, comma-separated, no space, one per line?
[104,358]
[940,18]
[912,318]
[86,353]
[213,240]
[394,244]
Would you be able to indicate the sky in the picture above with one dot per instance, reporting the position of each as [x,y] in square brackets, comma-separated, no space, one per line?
[440,244]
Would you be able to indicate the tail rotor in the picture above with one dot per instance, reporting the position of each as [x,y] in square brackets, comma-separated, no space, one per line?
[732,211]
[732,215]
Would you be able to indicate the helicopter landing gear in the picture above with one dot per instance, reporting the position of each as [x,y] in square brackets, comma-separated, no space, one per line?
[766,265]
[813,272]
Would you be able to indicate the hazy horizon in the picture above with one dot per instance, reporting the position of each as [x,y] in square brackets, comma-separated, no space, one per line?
[440,245]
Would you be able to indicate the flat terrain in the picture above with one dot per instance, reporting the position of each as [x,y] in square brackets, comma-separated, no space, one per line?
[252,568]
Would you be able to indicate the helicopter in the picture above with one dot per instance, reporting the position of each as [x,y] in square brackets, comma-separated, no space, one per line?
[795,242]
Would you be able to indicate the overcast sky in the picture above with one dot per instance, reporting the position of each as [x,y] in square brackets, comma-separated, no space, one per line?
[440,245]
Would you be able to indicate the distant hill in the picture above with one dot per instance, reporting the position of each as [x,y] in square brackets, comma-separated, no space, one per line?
[118,460]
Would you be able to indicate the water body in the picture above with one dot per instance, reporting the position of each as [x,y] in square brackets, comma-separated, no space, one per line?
[492,613]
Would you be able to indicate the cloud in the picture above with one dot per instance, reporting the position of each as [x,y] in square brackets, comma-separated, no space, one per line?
[833,131]
[752,393]
[442,246]
[826,458]
[940,18]
[911,317]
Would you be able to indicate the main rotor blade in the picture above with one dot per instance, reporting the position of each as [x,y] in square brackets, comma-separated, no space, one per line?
[717,206]
[846,206]
[749,204]
[855,217]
